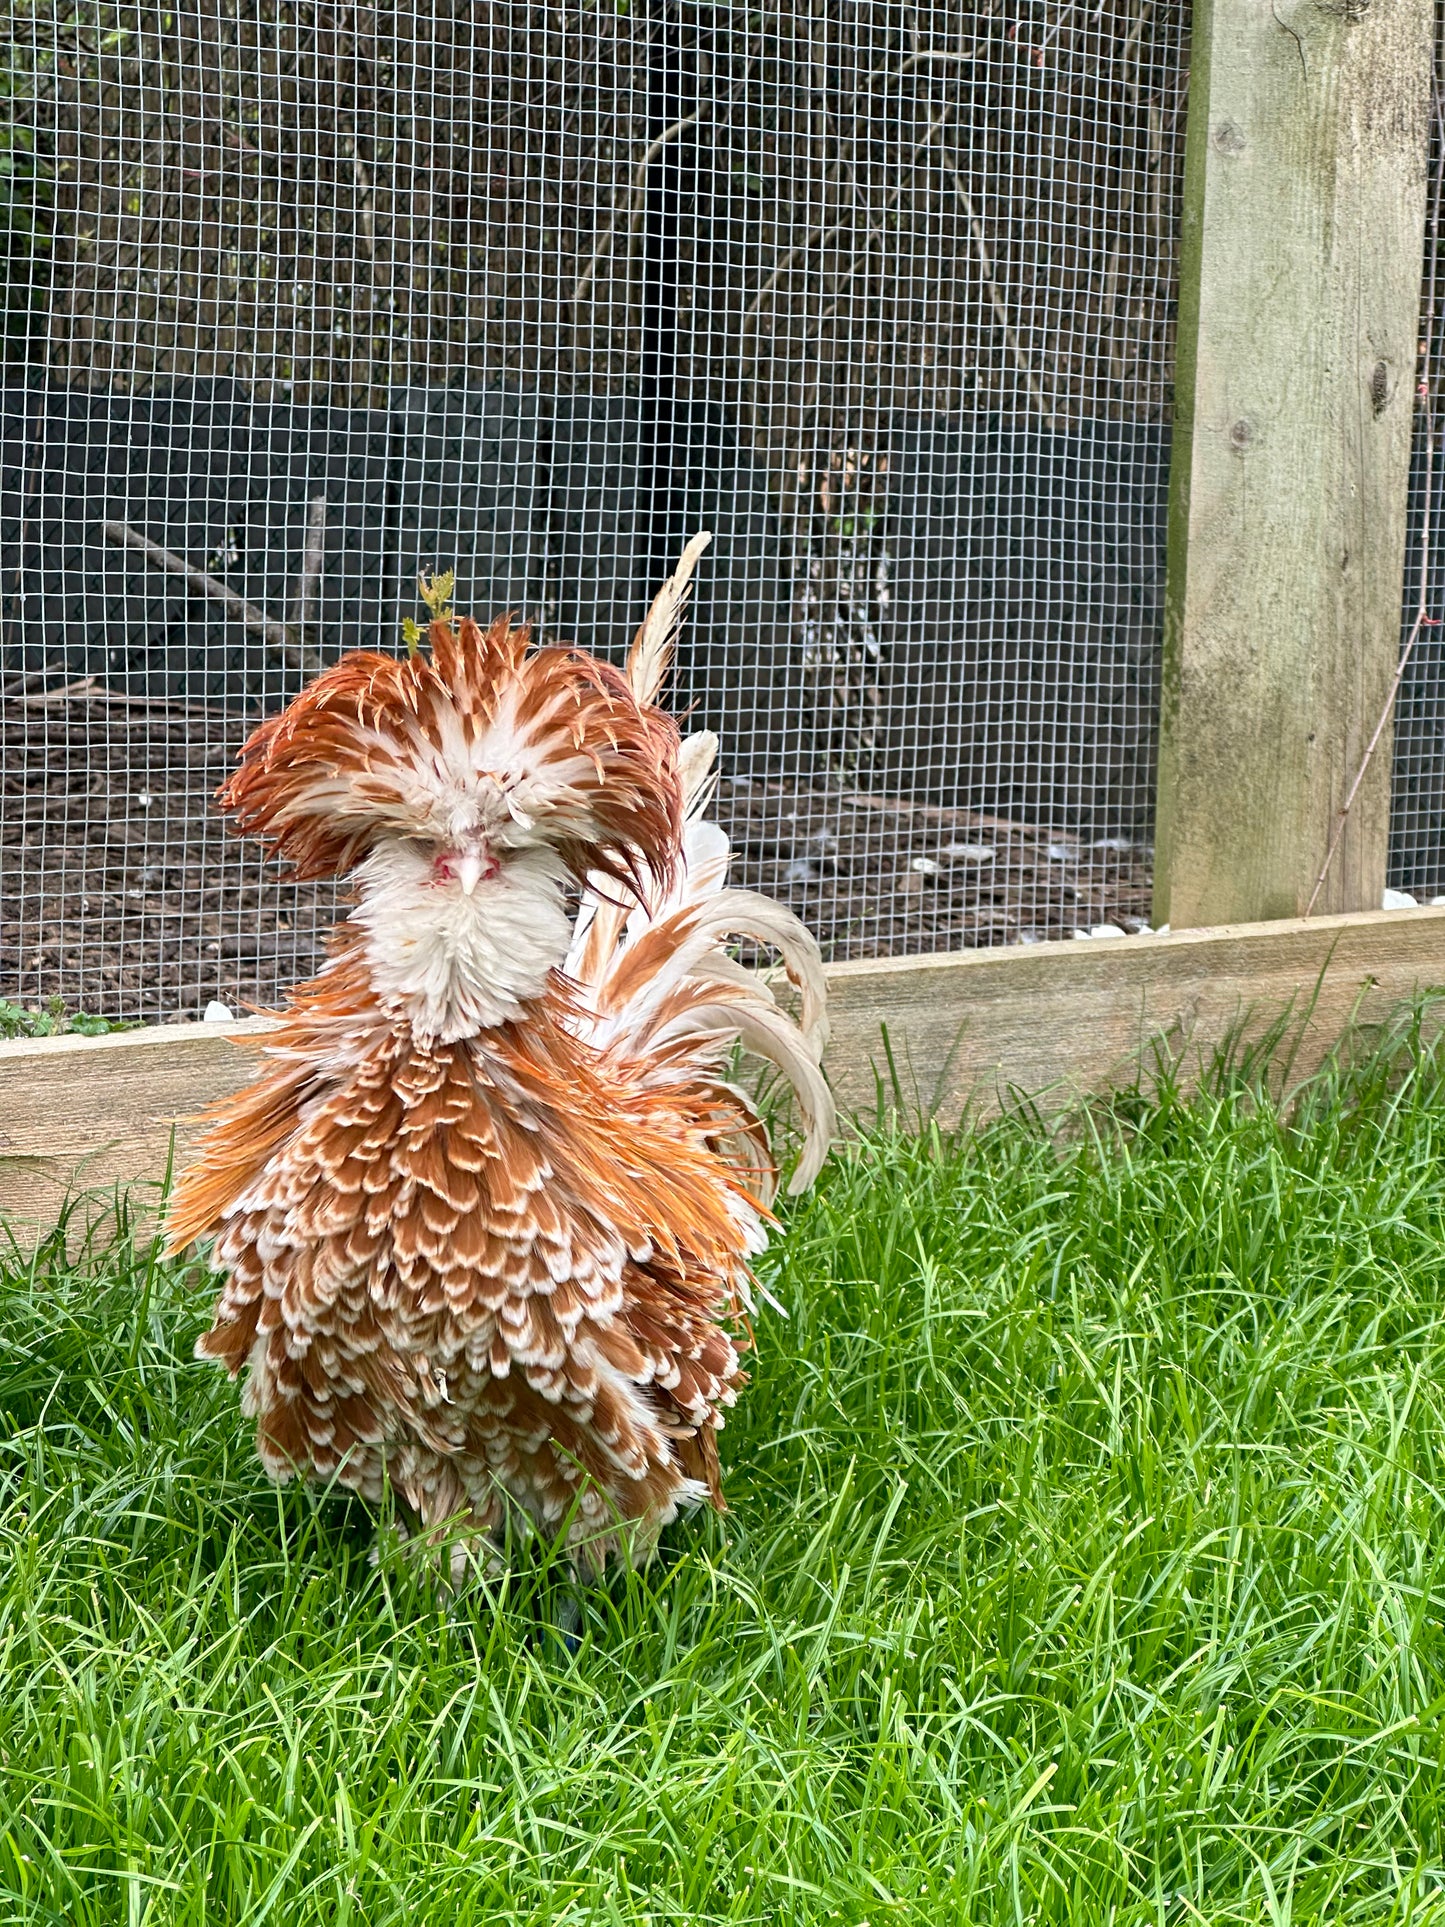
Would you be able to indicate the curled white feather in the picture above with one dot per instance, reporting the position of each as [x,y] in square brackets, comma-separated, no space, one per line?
[681,980]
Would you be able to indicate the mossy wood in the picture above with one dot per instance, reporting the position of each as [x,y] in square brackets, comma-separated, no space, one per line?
[927,1034]
[1303,222]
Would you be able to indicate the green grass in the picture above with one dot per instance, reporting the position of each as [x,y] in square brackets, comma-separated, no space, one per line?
[1085,1565]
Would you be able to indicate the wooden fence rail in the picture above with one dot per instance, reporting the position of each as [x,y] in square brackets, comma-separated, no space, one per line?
[1049,1021]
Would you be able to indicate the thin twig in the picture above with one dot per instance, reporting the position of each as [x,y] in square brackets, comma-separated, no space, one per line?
[1421,618]
[995,294]
[312,558]
[981,249]
[90,689]
[1038,52]
[1135,31]
[366,217]
[816,237]
[635,203]
[958,817]
[1422,611]
[819,236]
[1111,313]
[929,57]
[282,637]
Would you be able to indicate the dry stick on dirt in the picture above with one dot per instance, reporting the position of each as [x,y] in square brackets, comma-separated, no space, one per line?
[90,689]
[283,637]
[14,686]
[1422,611]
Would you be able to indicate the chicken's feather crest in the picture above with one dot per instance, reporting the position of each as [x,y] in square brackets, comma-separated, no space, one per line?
[486,736]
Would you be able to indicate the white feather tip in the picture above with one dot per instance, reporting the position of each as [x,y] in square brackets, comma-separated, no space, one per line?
[696,767]
[651,651]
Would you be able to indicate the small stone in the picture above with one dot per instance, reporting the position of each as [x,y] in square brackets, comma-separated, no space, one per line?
[218,1013]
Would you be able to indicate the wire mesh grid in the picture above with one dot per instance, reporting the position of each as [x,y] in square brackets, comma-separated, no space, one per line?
[301,298]
[1417,802]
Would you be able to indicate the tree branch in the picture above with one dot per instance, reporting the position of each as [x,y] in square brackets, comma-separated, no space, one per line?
[281,637]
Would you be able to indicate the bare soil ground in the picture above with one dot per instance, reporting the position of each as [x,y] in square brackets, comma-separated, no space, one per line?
[121,892]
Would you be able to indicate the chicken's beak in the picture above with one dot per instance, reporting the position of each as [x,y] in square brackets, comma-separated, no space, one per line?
[472,866]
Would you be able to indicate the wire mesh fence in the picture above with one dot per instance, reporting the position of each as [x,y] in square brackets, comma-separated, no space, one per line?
[1417,802]
[301,298]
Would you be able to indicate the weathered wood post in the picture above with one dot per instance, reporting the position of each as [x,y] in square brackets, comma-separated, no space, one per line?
[1304,208]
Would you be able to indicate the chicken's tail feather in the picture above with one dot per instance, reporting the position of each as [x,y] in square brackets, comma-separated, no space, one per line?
[650,656]
[660,980]
[663,982]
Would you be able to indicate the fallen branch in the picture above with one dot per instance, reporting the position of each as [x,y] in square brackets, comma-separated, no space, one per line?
[90,689]
[282,637]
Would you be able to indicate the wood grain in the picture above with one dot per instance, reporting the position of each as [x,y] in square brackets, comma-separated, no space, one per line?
[1051,1020]
[1301,245]
[1060,1019]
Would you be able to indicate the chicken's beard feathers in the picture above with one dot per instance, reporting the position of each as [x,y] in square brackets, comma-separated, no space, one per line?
[452,964]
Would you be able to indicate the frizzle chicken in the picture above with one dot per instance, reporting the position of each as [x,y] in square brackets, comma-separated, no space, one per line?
[487,1213]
